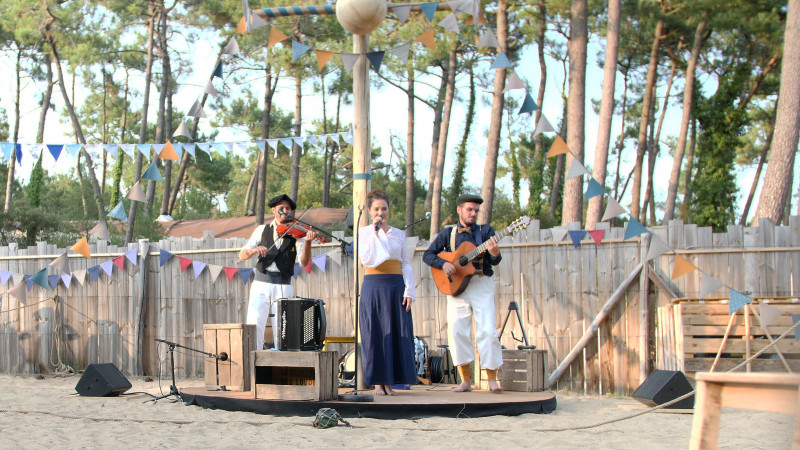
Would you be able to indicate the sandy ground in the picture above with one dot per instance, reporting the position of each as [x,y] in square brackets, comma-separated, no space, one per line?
[38,413]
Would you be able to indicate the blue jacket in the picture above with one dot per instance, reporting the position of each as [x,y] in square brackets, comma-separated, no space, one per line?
[479,235]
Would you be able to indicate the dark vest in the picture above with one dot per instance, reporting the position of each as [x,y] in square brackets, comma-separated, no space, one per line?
[283,257]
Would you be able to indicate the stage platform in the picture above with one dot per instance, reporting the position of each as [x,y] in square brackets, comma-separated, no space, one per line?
[419,401]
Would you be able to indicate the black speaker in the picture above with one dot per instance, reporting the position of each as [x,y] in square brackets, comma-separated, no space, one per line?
[665,385]
[102,380]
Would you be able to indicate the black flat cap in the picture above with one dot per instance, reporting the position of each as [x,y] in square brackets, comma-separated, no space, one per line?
[279,198]
[469,198]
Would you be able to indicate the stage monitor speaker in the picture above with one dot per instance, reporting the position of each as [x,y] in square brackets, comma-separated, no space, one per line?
[102,380]
[665,385]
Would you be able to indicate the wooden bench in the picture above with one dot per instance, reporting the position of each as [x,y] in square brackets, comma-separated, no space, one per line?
[774,392]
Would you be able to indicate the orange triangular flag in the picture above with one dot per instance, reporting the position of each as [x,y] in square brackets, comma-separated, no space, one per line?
[559,147]
[242,27]
[275,36]
[682,267]
[323,56]
[82,247]
[168,152]
[471,20]
[428,39]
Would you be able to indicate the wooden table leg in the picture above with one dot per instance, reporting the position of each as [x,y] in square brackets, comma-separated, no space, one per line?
[707,410]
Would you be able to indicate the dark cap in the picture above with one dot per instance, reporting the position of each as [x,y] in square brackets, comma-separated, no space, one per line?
[279,198]
[469,198]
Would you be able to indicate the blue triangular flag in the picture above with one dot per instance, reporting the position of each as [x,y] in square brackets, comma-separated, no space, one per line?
[528,105]
[795,319]
[55,150]
[94,271]
[634,229]
[245,274]
[28,281]
[40,278]
[298,49]
[593,190]
[119,212]
[189,148]
[198,267]
[296,270]
[107,267]
[144,149]
[18,150]
[262,144]
[74,149]
[112,149]
[158,148]
[736,300]
[500,62]
[8,149]
[152,173]
[164,256]
[348,248]
[429,9]
[4,276]
[53,280]
[375,58]
[577,236]
[218,70]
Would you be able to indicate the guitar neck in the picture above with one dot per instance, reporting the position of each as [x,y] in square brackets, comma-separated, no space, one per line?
[482,248]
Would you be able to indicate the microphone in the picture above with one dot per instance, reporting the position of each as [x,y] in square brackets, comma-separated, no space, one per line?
[378,225]
[427,217]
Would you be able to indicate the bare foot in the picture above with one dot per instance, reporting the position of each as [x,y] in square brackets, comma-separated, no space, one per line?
[389,390]
[379,390]
[463,387]
[494,387]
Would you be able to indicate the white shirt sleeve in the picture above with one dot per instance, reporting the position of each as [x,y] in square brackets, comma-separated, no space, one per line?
[255,238]
[408,272]
[372,249]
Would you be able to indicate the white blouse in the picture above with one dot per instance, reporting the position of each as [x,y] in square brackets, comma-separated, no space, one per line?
[374,249]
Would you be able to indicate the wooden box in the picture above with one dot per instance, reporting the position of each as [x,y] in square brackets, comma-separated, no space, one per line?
[522,370]
[280,375]
[237,340]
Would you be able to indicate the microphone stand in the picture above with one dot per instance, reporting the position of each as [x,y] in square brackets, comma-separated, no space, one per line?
[173,390]
[427,217]
[354,396]
[342,242]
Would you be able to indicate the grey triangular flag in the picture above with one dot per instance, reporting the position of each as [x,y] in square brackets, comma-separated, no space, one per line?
[196,110]
[514,82]
[613,209]
[256,22]
[450,23]
[576,169]
[401,52]
[543,126]
[61,264]
[100,231]
[558,234]
[656,249]
[182,130]
[232,48]
[136,193]
[768,313]
[488,39]
[349,60]
[210,90]
[402,13]
[708,285]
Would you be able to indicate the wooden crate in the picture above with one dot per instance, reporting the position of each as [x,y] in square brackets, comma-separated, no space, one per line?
[237,340]
[522,370]
[281,375]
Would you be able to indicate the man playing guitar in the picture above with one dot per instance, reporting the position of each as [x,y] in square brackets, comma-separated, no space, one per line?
[478,297]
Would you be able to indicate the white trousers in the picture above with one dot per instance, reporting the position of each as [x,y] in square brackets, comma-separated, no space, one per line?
[263,302]
[477,298]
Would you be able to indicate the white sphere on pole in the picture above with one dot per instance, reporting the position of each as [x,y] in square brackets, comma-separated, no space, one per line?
[361,16]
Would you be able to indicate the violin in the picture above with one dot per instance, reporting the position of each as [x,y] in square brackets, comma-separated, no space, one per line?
[296,230]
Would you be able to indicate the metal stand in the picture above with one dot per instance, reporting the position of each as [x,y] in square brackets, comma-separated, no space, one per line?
[514,307]
[173,390]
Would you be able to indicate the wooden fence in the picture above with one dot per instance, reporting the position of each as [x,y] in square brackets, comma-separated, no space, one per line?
[560,290]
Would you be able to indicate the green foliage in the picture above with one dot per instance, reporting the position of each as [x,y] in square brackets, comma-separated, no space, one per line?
[33,192]
[25,225]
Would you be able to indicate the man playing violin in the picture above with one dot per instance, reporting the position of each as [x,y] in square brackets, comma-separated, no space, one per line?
[277,254]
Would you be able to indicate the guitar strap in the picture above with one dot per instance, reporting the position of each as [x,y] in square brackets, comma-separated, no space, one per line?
[453,238]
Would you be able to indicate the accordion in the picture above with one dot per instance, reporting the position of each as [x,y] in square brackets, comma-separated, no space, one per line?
[301,324]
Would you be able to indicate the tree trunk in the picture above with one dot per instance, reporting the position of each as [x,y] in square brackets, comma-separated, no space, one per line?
[621,140]
[641,146]
[410,152]
[688,94]
[15,136]
[762,159]
[266,123]
[595,212]
[161,116]
[436,198]
[298,115]
[572,209]
[115,183]
[652,156]
[495,120]
[461,153]
[104,128]
[784,146]
[540,44]
[437,124]
[167,131]
[48,94]
[687,176]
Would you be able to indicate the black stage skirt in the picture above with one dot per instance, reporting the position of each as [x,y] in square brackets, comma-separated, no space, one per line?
[387,332]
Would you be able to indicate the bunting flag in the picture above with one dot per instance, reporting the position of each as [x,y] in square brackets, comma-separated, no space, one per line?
[100,231]
[427,39]
[514,82]
[597,235]
[336,256]
[275,36]
[195,111]
[634,228]
[429,9]
[129,149]
[349,60]
[111,149]
[94,272]
[308,266]
[500,62]
[182,130]
[576,168]
[450,23]
[218,70]
[543,126]
[656,249]
[210,90]
[682,267]
[144,149]
[528,105]
[559,147]
[214,270]
[323,56]
[232,48]
[594,189]
[375,58]
[298,50]
[168,152]
[66,278]
[7,149]
[18,153]
[401,52]
[107,267]
[241,27]
[40,278]
[152,173]
[256,22]
[296,270]
[184,262]
[4,276]
[558,234]
[198,267]
[577,237]
[230,272]
[768,314]
[795,319]
[55,150]
[136,193]
[18,278]
[82,247]
[118,213]
[319,261]
[60,264]
[53,281]
[401,12]
[119,261]
[80,276]
[736,300]
[18,292]
[133,256]
[613,209]
[163,257]
[488,39]
[244,274]
[189,147]
[708,285]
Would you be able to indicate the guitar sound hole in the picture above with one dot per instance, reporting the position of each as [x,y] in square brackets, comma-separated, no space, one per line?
[463,261]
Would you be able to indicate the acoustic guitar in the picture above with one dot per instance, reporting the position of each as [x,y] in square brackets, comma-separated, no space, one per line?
[461,258]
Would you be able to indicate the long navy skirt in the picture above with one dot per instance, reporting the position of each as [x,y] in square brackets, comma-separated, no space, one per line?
[387,332]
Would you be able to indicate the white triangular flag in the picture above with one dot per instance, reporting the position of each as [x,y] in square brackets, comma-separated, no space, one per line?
[182,130]
[558,234]
[256,22]
[488,39]
[349,60]
[401,52]
[210,90]
[613,209]
[232,48]
[401,12]
[768,313]
[214,271]
[514,82]
[656,249]
[708,285]
[576,169]
[543,126]
[449,23]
